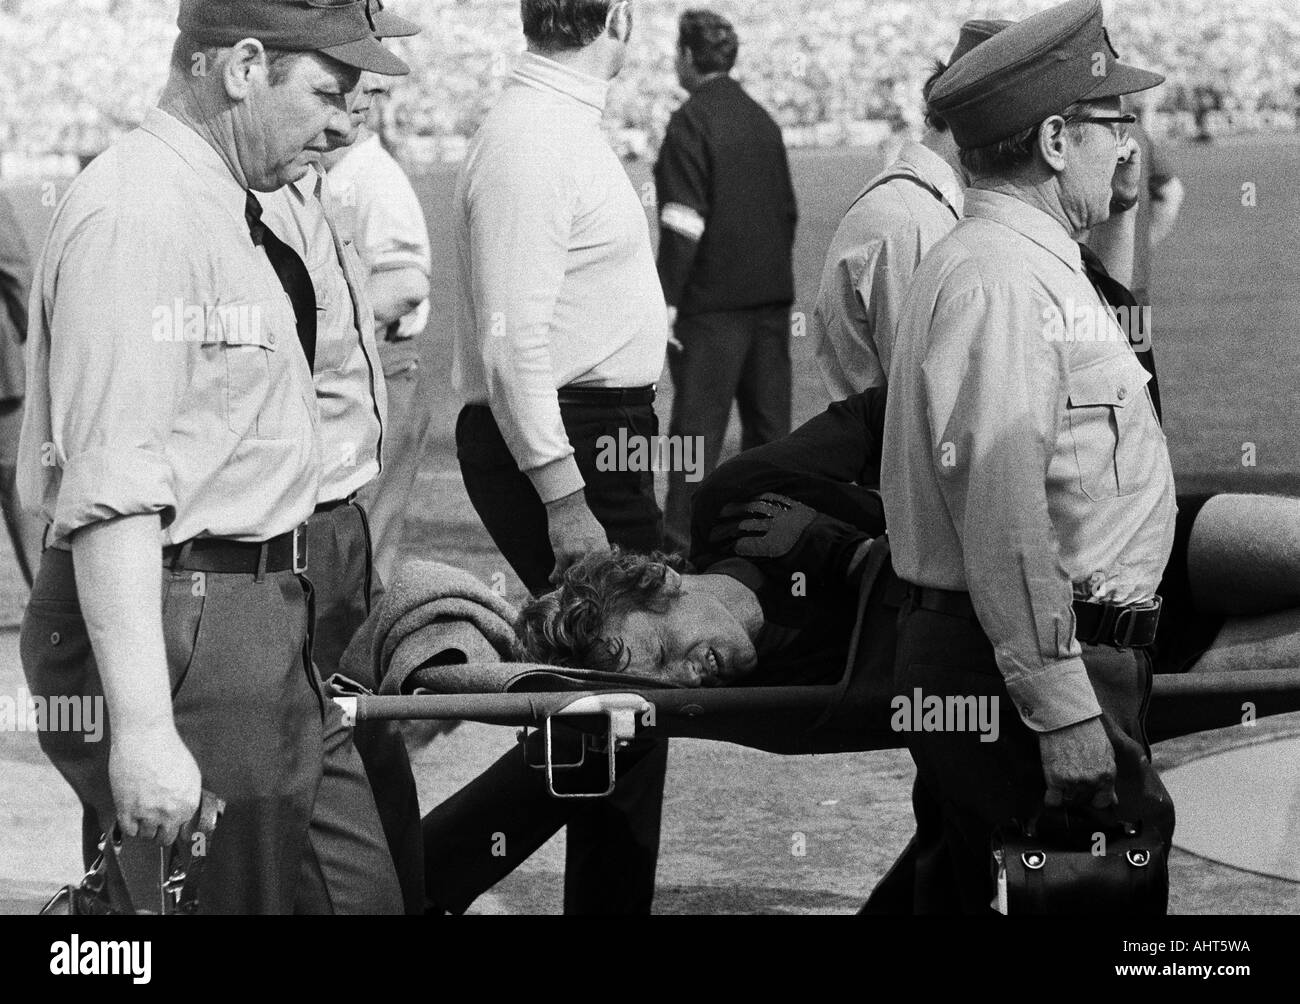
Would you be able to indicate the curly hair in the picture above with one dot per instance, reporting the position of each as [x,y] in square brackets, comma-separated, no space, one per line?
[554,25]
[568,627]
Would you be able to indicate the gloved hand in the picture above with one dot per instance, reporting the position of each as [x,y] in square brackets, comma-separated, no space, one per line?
[806,557]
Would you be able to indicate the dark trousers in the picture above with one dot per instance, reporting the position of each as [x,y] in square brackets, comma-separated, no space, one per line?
[300,832]
[345,583]
[482,833]
[613,843]
[741,355]
[965,788]
[505,500]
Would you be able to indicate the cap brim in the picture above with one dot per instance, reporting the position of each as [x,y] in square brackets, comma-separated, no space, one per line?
[368,54]
[388,25]
[1124,79]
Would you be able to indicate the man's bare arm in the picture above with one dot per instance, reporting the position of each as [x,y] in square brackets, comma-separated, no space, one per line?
[155,781]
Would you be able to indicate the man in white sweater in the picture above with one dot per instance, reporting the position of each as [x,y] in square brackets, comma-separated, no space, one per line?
[561,331]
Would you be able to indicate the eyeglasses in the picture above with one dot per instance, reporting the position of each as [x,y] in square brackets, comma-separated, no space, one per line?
[1121,135]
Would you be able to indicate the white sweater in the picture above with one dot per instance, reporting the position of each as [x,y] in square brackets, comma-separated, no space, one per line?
[555,277]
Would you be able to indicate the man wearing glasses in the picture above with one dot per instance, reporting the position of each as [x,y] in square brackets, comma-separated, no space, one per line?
[1026,476]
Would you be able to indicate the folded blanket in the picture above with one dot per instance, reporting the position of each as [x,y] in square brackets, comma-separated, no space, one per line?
[431,613]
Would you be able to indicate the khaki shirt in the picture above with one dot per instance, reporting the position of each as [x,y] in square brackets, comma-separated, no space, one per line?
[350,388]
[377,204]
[869,267]
[164,370]
[1023,462]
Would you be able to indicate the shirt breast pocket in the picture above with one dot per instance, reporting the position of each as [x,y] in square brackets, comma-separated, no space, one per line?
[242,339]
[1106,411]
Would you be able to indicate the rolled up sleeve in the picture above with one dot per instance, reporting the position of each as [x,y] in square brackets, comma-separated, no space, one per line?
[113,385]
[392,224]
[992,385]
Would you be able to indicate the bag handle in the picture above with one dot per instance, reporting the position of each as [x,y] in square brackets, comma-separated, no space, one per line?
[1063,824]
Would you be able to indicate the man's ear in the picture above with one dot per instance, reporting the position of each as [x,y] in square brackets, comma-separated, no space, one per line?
[620,21]
[1052,142]
[247,59]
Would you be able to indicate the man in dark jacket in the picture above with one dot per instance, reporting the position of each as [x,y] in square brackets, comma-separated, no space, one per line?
[727,217]
[15,285]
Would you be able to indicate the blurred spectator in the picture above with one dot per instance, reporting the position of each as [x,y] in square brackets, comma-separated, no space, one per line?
[819,65]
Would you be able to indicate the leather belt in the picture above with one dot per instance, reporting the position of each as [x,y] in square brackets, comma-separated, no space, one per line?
[1132,626]
[285,553]
[608,397]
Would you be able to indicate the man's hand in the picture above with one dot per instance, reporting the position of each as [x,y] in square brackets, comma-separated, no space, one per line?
[1126,186]
[155,781]
[673,341]
[574,532]
[791,543]
[1078,765]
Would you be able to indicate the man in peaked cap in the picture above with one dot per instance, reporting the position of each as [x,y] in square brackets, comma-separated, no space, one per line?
[170,359]
[343,30]
[880,241]
[1026,477]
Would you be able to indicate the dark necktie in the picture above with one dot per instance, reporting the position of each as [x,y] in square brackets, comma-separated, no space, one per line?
[1115,295]
[292,274]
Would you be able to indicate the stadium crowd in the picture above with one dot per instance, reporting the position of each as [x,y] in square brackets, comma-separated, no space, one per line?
[823,67]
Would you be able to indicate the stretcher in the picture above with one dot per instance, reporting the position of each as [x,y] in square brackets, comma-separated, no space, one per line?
[609,710]
[787,720]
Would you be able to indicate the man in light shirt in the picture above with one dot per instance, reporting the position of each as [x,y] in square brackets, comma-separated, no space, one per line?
[561,332]
[173,444]
[1025,474]
[878,245]
[378,208]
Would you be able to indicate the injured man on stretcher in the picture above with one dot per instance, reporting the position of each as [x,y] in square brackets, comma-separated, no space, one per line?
[783,536]
[780,538]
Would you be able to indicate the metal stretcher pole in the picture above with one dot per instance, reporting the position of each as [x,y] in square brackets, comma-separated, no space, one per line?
[534,709]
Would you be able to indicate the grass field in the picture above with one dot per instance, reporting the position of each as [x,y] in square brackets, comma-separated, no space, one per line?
[1227,335]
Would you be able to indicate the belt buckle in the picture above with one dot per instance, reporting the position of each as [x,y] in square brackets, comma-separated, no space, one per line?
[300,549]
[1123,633]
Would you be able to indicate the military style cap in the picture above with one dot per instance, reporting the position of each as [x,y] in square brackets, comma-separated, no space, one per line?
[974,32]
[1031,70]
[340,29]
[389,25]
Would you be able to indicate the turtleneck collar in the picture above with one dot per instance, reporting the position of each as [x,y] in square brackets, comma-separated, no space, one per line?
[533,70]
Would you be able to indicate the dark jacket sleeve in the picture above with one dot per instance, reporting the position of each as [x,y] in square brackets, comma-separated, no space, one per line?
[792,200]
[15,275]
[830,463]
[682,178]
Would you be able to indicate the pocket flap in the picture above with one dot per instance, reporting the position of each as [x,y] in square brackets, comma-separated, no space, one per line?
[1114,381]
[244,323]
